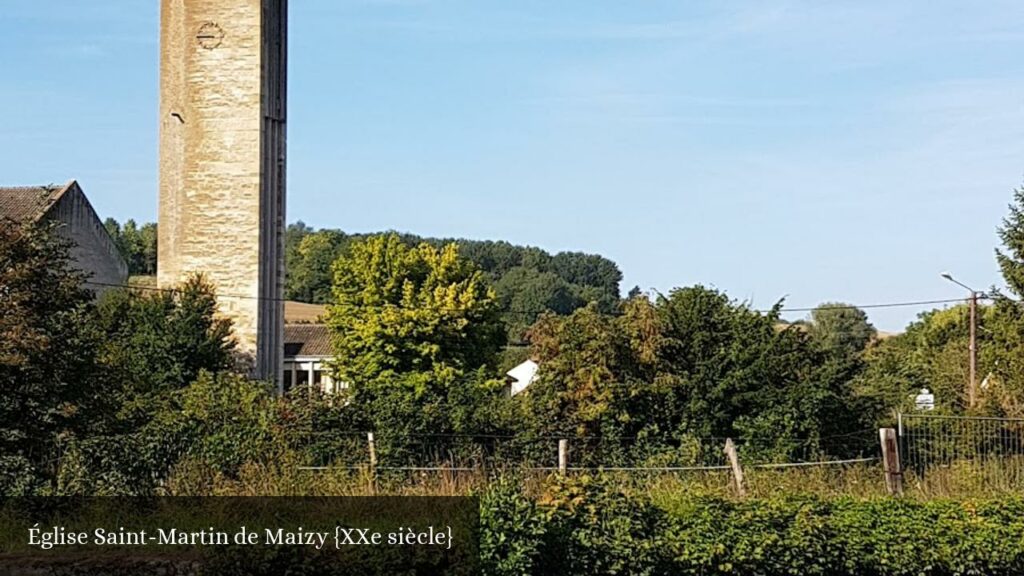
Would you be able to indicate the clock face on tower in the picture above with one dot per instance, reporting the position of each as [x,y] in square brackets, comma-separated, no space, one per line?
[210,35]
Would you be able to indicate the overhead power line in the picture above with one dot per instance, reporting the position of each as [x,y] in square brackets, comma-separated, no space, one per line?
[916,303]
[872,306]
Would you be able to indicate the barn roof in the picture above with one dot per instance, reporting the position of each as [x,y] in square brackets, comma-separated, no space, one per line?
[28,204]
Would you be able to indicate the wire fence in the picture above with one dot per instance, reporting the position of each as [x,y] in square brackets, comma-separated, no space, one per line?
[936,454]
[358,462]
[953,452]
[467,452]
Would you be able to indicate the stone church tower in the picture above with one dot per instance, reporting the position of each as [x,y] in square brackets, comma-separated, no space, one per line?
[223,89]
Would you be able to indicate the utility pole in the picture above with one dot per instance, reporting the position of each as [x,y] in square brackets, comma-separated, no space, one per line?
[972,392]
[972,382]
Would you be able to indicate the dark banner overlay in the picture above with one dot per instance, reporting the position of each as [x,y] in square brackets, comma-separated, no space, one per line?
[226,536]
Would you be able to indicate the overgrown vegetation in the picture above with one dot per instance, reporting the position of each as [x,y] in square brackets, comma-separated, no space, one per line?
[52,385]
[136,394]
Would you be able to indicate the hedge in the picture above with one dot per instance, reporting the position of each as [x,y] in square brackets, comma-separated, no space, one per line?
[590,527]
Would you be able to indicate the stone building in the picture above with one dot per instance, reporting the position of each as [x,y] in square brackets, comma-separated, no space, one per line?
[223,87]
[93,250]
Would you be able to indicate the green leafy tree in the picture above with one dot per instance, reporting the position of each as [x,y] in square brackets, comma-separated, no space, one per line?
[589,271]
[293,236]
[206,430]
[412,329]
[497,258]
[736,369]
[309,274]
[692,364]
[148,256]
[48,372]
[138,245]
[582,377]
[113,228]
[223,420]
[526,293]
[131,246]
[158,342]
[1002,334]
[841,329]
[587,277]
[1011,256]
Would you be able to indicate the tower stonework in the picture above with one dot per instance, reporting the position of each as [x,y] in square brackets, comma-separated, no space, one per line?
[223,102]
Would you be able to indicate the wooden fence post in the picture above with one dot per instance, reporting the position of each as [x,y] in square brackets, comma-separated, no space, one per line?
[891,461]
[563,456]
[372,445]
[737,470]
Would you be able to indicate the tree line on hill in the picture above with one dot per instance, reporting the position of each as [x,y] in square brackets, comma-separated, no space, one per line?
[528,281]
[116,396]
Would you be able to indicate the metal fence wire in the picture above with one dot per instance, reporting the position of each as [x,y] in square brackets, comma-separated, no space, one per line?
[462,452]
[958,450]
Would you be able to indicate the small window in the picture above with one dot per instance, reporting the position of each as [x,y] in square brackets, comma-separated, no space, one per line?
[287,379]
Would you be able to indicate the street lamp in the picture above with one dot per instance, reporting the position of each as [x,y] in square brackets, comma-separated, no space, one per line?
[972,386]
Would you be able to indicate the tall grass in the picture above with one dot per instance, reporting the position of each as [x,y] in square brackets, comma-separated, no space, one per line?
[288,476]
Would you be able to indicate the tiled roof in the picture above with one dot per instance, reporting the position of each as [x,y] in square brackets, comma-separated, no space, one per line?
[27,204]
[307,340]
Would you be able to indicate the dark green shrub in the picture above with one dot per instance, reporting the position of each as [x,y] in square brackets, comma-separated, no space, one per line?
[512,529]
[588,526]
[595,528]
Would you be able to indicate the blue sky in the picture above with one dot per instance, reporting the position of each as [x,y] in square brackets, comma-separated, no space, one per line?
[809,150]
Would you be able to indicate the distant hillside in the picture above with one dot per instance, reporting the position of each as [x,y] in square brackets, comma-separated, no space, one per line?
[303,313]
[528,280]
